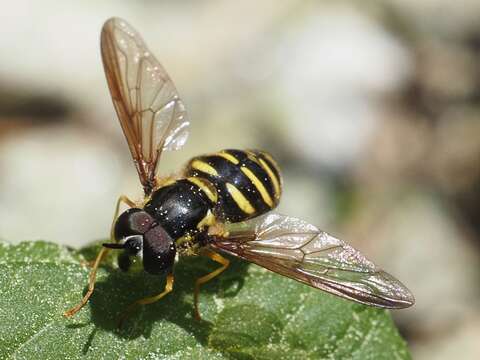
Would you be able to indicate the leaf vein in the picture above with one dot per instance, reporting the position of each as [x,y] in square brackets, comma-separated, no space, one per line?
[32,338]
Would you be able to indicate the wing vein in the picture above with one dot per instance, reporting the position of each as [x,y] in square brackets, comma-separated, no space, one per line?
[274,241]
[137,82]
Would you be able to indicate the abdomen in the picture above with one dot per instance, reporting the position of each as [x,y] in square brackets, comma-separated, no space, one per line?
[247,183]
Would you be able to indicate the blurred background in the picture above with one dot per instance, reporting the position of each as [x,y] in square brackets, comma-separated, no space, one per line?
[372,110]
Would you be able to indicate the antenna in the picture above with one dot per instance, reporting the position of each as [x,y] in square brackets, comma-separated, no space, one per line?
[114,246]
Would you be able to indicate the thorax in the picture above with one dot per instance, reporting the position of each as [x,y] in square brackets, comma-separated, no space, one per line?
[182,208]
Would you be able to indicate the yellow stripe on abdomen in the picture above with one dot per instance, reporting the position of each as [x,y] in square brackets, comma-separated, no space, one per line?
[210,191]
[228,157]
[273,178]
[240,199]
[258,185]
[204,167]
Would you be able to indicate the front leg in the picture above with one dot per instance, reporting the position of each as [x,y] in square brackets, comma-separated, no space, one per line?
[91,284]
[128,202]
[101,255]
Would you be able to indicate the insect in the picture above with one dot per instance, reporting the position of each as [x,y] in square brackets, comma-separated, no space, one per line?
[220,203]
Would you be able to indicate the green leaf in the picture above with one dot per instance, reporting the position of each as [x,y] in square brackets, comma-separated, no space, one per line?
[248,313]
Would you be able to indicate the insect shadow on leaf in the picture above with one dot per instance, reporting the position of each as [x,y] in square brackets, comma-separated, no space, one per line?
[118,290]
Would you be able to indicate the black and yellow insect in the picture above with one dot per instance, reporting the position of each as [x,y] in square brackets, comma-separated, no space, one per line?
[219,203]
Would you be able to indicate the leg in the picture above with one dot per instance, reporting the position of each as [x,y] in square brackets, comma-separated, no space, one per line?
[148,300]
[219,259]
[91,284]
[125,200]
[98,260]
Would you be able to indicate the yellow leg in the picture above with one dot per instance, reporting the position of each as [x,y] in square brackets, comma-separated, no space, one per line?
[219,259]
[91,284]
[98,260]
[148,300]
[125,200]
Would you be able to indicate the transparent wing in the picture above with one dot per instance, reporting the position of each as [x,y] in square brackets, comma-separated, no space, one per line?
[150,111]
[296,249]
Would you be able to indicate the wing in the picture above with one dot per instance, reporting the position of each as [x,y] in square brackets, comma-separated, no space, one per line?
[150,111]
[294,248]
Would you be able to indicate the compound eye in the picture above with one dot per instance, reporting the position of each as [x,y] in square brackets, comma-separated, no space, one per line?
[132,222]
[158,250]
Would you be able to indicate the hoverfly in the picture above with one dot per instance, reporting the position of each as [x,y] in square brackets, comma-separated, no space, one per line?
[220,203]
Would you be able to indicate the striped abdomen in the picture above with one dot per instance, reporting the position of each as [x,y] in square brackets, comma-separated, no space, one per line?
[247,183]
